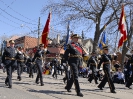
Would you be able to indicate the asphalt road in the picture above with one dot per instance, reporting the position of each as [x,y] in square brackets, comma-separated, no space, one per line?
[54,89]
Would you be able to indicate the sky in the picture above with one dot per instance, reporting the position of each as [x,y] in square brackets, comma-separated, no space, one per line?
[19,17]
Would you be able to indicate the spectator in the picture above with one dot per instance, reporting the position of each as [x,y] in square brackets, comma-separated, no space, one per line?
[119,77]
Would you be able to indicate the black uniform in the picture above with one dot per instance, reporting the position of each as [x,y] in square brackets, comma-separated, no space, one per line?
[127,71]
[75,61]
[30,65]
[130,62]
[55,64]
[38,58]
[67,72]
[106,59]
[92,64]
[8,58]
[21,59]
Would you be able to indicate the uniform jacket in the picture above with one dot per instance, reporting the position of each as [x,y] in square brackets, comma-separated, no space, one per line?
[72,49]
[130,62]
[29,62]
[106,58]
[39,56]
[9,52]
[92,61]
[55,62]
[20,57]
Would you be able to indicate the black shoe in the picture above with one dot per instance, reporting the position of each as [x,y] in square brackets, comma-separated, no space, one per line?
[129,87]
[10,86]
[69,90]
[113,91]
[89,80]
[65,87]
[37,82]
[80,94]
[100,88]
[20,79]
[42,84]
[29,76]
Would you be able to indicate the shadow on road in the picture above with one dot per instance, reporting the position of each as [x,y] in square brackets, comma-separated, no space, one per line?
[22,83]
[51,92]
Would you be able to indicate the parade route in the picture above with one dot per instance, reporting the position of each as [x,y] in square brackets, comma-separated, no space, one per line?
[54,89]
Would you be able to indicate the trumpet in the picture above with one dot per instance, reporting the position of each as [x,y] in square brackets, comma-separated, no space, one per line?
[84,50]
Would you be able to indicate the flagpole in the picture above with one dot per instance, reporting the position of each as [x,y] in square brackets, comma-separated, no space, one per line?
[38,31]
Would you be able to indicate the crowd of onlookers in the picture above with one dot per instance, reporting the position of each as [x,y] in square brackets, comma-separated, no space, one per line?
[119,76]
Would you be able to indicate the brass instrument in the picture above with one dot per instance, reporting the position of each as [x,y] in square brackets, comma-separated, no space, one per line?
[84,50]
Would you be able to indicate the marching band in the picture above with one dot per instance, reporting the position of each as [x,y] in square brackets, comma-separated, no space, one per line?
[73,58]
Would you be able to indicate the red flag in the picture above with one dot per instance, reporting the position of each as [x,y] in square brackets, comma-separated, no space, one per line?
[122,28]
[44,37]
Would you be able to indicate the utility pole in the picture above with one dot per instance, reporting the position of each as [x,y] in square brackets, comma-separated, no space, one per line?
[38,31]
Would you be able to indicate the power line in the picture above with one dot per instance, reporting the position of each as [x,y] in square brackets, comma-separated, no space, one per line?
[15,17]
[7,23]
[9,20]
[7,5]
[16,11]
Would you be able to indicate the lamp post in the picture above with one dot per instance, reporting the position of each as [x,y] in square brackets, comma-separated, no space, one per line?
[30,31]
[26,26]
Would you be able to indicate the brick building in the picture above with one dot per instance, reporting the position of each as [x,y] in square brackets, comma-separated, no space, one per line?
[27,42]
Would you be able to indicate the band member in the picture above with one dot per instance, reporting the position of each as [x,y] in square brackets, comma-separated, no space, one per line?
[21,59]
[73,56]
[55,63]
[67,72]
[106,60]
[8,59]
[30,65]
[92,64]
[38,59]
[130,63]
[127,70]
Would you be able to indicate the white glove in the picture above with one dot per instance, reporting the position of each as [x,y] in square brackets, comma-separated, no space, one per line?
[125,69]
[114,54]
[99,56]
[2,65]
[86,54]
[64,64]
[45,49]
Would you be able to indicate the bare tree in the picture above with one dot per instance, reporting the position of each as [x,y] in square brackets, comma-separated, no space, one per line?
[96,14]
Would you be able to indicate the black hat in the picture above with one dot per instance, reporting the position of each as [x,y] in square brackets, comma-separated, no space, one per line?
[94,52]
[41,45]
[75,36]
[105,47]
[12,41]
